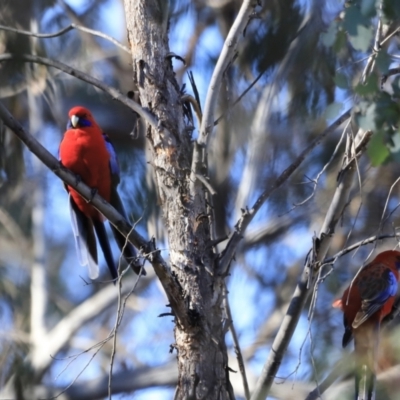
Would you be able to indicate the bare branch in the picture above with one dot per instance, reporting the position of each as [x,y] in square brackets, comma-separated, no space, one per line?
[38,287]
[216,122]
[126,381]
[65,30]
[342,367]
[308,277]
[62,333]
[389,36]
[248,215]
[114,93]
[236,344]
[377,45]
[118,320]
[226,56]
[354,246]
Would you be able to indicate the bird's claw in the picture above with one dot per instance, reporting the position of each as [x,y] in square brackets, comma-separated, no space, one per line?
[93,192]
[78,179]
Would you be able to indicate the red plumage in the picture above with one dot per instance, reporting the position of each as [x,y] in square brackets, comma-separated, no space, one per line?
[368,299]
[84,152]
[88,152]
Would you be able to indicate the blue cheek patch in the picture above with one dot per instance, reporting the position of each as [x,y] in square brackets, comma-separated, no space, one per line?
[84,122]
[397,264]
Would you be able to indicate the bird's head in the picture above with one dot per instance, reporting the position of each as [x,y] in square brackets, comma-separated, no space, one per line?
[391,257]
[80,117]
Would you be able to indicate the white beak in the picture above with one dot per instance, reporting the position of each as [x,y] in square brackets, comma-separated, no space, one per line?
[74,121]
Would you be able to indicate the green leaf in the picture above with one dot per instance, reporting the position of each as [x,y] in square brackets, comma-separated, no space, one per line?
[341,81]
[370,87]
[387,112]
[362,39]
[328,38]
[352,19]
[368,8]
[383,61]
[367,119]
[358,28]
[395,147]
[341,41]
[377,150]
[333,110]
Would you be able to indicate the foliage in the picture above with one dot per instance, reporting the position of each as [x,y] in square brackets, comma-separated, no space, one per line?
[309,58]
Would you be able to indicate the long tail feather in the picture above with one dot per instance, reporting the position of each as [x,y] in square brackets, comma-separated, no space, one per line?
[105,247]
[366,339]
[85,241]
[365,383]
[126,248]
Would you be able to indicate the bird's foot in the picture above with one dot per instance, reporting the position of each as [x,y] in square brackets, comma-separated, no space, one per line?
[78,179]
[93,192]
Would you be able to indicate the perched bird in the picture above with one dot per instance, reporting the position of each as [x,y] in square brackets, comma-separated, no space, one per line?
[88,152]
[368,299]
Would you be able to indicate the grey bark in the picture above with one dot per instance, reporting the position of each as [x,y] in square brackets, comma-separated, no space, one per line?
[199,334]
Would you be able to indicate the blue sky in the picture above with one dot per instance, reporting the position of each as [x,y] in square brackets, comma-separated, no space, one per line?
[243,294]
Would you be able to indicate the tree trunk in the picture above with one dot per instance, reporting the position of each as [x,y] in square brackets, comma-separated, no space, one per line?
[199,316]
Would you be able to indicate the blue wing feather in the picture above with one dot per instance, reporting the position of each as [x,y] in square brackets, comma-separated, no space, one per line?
[378,292]
[85,243]
[114,165]
[126,248]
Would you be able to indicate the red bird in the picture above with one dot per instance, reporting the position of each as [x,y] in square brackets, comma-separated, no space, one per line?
[368,299]
[87,152]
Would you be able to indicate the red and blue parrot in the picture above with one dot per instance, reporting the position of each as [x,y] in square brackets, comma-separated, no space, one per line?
[88,152]
[368,299]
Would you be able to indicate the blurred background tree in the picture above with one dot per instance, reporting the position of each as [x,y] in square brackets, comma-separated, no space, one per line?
[306,61]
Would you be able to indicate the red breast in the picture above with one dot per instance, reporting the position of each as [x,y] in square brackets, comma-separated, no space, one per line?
[84,152]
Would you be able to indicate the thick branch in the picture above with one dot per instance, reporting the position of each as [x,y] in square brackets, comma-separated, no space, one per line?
[226,57]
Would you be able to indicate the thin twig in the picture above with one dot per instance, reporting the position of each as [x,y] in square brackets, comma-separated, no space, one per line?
[377,45]
[307,280]
[120,313]
[342,367]
[216,122]
[240,227]
[65,30]
[114,93]
[80,372]
[236,344]
[354,246]
[324,168]
[388,37]
[204,181]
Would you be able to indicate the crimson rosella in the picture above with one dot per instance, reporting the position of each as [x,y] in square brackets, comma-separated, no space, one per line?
[88,152]
[368,299]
